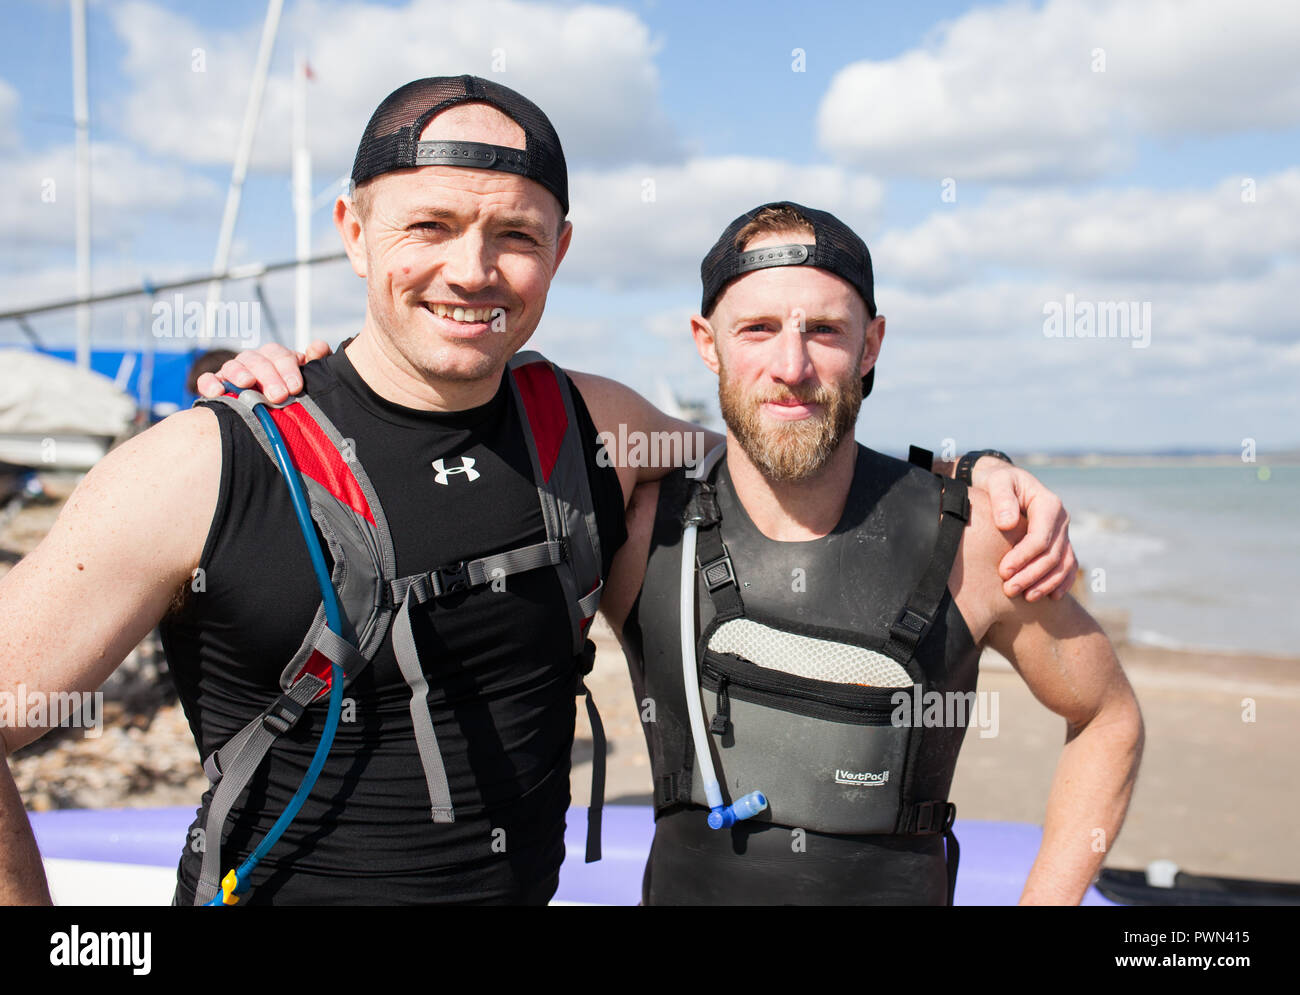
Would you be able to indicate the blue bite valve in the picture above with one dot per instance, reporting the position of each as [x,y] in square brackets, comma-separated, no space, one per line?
[724,816]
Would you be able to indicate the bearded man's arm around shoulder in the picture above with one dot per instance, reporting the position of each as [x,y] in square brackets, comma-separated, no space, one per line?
[1068,663]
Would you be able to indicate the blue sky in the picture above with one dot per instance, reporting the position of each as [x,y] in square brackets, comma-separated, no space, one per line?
[1120,183]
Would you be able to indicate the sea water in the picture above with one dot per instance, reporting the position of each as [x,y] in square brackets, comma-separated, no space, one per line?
[1199,556]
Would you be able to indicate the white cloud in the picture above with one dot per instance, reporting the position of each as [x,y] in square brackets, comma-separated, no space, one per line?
[128,191]
[1254,307]
[1010,93]
[1011,386]
[8,116]
[1132,234]
[651,225]
[591,69]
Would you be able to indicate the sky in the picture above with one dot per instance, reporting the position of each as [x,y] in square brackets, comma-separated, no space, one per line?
[1014,168]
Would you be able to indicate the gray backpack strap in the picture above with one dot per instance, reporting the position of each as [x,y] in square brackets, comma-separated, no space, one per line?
[351,520]
[407,592]
[408,659]
[545,405]
[233,766]
[474,573]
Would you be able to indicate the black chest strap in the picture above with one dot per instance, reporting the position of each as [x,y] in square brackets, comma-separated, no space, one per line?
[921,609]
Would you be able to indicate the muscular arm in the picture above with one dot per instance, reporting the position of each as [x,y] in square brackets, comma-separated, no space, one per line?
[627,572]
[656,442]
[1070,667]
[71,610]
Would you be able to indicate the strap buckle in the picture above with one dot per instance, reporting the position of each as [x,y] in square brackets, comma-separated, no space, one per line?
[283,715]
[933,817]
[586,660]
[909,626]
[453,578]
[718,573]
[924,818]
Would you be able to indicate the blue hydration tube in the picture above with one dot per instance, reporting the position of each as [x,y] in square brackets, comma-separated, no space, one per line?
[236,881]
[720,816]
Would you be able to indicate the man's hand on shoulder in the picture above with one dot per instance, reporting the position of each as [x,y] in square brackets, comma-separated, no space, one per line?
[1042,562]
[272,369]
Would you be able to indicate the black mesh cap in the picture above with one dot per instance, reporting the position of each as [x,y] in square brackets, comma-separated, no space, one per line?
[836,248]
[391,139]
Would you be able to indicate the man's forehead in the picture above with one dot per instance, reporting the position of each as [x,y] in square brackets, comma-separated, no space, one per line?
[446,191]
[779,289]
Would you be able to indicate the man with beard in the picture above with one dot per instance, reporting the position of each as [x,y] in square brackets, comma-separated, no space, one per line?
[836,595]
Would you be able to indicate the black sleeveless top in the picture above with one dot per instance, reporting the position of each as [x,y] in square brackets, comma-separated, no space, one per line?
[857,578]
[500,665]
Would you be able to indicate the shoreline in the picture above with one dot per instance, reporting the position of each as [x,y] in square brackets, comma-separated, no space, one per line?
[1192,650]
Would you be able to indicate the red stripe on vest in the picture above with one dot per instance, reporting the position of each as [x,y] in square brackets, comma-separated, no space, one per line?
[317,457]
[318,665]
[545,410]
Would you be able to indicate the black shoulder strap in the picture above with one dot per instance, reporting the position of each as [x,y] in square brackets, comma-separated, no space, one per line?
[918,614]
[923,458]
[711,552]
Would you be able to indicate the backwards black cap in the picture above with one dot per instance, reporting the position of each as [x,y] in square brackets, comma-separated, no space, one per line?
[392,138]
[836,248]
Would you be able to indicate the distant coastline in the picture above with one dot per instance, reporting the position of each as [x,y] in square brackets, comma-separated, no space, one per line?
[1171,458]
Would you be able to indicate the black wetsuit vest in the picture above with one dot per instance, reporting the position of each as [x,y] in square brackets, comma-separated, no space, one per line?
[855,579]
[500,665]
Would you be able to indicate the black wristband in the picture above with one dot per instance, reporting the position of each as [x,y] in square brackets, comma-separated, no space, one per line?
[966,465]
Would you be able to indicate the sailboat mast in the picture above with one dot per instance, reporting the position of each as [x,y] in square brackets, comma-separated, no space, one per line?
[302,203]
[222,260]
[81,117]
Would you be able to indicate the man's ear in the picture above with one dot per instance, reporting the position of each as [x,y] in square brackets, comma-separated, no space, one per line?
[562,245]
[875,336]
[348,222]
[705,342]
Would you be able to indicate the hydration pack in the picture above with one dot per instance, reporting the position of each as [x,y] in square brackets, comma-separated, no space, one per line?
[809,716]
[350,519]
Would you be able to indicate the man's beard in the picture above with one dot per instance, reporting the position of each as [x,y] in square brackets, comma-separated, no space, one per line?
[795,450]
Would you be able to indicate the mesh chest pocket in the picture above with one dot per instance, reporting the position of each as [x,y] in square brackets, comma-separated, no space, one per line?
[810,722]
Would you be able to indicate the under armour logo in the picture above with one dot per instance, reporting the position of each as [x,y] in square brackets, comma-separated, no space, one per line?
[466,467]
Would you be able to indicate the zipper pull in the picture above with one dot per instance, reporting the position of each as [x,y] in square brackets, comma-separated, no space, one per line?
[718,725]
